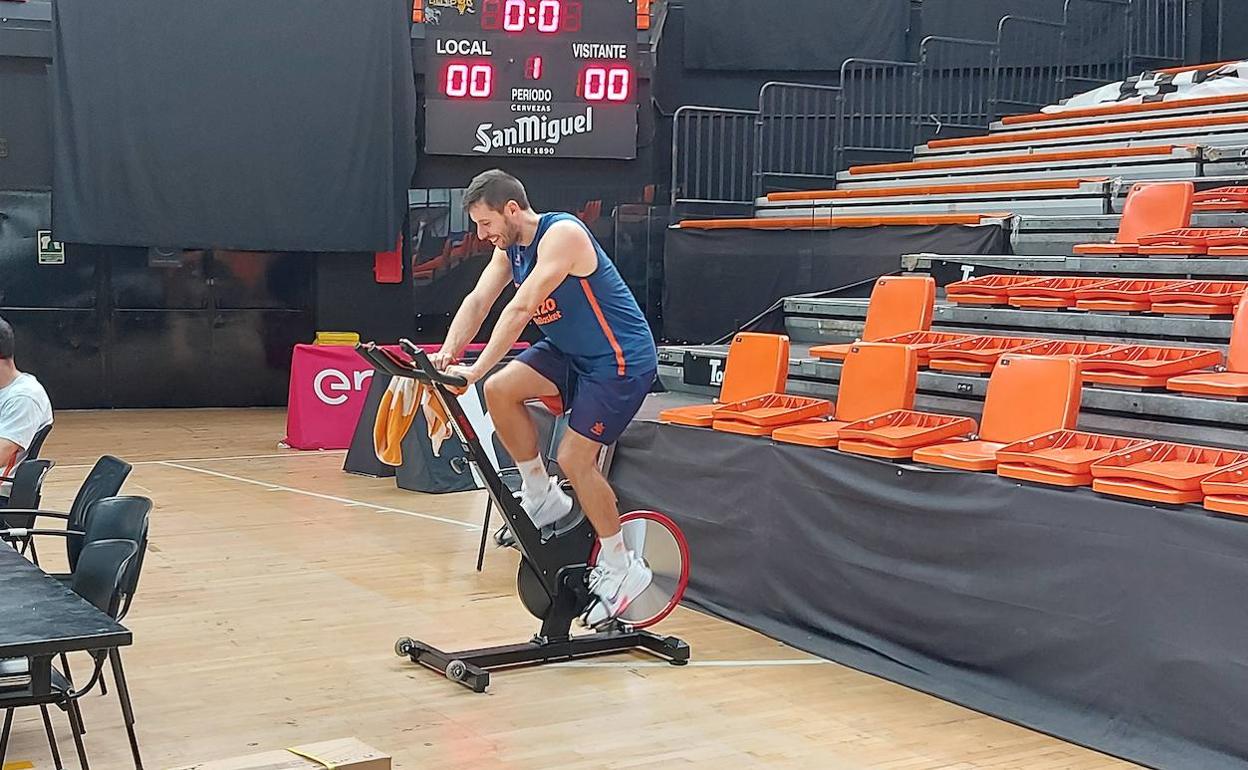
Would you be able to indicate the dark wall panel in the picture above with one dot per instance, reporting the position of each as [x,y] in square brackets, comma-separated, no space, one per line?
[160,358]
[65,350]
[249,364]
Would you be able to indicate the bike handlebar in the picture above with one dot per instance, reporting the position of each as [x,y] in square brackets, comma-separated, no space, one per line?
[425,366]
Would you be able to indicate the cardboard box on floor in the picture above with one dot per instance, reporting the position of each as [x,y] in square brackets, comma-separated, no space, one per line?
[341,754]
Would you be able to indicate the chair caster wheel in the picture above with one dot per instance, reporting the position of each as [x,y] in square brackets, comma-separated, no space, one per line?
[404,646]
[455,670]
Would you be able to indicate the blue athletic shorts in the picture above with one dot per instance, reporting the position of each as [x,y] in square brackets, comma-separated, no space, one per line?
[599,408]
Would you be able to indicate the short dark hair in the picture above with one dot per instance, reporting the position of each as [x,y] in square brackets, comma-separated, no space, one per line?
[494,188]
[7,343]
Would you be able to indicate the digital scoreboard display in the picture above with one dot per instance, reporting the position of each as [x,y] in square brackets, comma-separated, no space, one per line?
[531,78]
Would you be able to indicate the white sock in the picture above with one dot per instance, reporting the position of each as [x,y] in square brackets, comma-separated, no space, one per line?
[533,473]
[613,553]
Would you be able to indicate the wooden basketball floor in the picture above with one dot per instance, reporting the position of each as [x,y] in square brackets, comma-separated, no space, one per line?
[276,585]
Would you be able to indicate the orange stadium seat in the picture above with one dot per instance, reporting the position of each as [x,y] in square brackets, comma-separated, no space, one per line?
[1150,208]
[1027,395]
[978,355]
[1226,491]
[1060,458]
[757,364]
[1146,366]
[987,289]
[923,342]
[1161,471]
[1199,298]
[1231,382]
[761,415]
[1222,199]
[1123,295]
[875,378]
[1057,292]
[898,304]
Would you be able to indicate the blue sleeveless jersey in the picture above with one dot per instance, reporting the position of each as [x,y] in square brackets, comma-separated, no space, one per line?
[594,320]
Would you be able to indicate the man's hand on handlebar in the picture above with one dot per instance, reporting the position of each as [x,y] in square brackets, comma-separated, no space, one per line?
[469,373]
[442,359]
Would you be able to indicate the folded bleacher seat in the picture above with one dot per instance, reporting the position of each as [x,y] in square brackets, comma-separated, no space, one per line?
[1057,292]
[1221,199]
[1151,207]
[978,355]
[875,378]
[757,364]
[987,289]
[1161,471]
[1187,241]
[1061,458]
[896,435]
[761,415]
[1146,366]
[1074,348]
[1123,295]
[1226,491]
[1229,245]
[923,342]
[1231,382]
[1204,298]
[1027,395]
[898,304]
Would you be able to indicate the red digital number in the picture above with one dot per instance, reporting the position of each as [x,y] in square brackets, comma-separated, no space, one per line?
[610,84]
[513,15]
[470,80]
[533,68]
[548,15]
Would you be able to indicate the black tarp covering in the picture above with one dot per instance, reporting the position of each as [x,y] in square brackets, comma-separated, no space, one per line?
[232,124]
[793,34]
[716,280]
[1107,623]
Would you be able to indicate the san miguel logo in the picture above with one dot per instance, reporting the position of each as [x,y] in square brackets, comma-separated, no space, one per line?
[533,130]
[463,6]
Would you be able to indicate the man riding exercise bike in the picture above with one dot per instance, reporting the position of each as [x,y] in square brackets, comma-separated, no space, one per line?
[597,361]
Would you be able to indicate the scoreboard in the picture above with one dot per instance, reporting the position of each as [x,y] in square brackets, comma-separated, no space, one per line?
[531,78]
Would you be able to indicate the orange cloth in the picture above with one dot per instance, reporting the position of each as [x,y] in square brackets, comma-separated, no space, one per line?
[397,412]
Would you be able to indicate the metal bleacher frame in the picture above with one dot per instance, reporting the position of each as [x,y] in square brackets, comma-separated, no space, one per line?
[881,109]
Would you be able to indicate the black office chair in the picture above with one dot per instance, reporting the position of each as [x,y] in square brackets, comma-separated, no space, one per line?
[32,453]
[25,493]
[104,480]
[101,568]
[112,518]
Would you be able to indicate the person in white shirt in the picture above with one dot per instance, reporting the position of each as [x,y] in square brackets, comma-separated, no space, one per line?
[24,408]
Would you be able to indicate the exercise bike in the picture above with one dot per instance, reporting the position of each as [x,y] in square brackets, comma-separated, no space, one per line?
[554,564]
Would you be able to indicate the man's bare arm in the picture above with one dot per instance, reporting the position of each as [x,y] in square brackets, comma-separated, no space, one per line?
[475,307]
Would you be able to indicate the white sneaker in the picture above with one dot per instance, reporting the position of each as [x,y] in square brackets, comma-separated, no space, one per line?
[615,589]
[546,505]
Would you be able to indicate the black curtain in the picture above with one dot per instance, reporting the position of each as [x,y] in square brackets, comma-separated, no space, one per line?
[793,34]
[258,126]
[717,280]
[1111,624]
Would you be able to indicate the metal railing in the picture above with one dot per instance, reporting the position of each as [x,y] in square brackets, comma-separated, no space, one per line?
[1027,72]
[802,134]
[795,135]
[955,82]
[879,107]
[1159,34]
[1096,43]
[713,155]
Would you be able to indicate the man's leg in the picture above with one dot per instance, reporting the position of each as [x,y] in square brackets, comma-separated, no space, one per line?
[601,410]
[578,457]
[532,376]
[505,394]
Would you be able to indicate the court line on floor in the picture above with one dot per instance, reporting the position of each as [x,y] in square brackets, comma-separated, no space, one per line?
[333,498]
[698,663]
[319,453]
